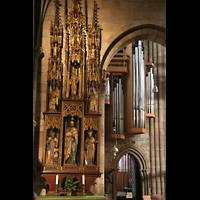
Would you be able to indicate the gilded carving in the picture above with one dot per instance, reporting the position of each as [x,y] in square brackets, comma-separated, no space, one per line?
[72,86]
[53,122]
[73,82]
[91,123]
[72,109]
[94,45]
[52,148]
[54,73]
[92,97]
[53,99]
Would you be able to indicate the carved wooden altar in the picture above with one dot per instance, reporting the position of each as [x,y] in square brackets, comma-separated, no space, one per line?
[71,135]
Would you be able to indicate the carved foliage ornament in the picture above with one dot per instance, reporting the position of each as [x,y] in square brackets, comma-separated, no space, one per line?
[91,123]
[53,122]
[72,110]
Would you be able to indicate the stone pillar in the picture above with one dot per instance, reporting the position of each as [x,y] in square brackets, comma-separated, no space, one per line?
[102,141]
[98,187]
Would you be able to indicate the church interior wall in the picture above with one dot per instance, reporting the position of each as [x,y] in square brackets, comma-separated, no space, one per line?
[115,18]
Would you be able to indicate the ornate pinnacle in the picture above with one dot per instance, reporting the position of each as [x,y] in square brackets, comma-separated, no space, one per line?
[95,15]
[57,13]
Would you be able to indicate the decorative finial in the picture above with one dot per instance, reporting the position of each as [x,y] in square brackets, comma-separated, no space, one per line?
[57,12]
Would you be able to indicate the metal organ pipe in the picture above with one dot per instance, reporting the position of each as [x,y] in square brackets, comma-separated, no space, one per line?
[118,106]
[143,88]
[122,110]
[138,87]
[150,91]
[114,105]
[107,93]
[134,103]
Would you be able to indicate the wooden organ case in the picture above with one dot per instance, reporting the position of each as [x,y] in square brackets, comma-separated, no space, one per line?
[71,135]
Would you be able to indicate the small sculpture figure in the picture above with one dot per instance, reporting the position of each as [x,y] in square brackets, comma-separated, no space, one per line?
[73,82]
[93,100]
[53,100]
[90,148]
[71,142]
[55,50]
[56,151]
[52,144]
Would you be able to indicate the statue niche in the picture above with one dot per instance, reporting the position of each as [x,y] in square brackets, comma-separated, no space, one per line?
[52,151]
[90,148]
[73,83]
[93,101]
[71,143]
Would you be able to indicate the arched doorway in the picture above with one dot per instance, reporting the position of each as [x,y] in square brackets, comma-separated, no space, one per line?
[128,177]
[142,169]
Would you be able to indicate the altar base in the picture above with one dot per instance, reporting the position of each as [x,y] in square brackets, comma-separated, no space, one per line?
[72,197]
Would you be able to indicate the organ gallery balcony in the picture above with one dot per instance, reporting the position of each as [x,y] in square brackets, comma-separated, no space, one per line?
[119,63]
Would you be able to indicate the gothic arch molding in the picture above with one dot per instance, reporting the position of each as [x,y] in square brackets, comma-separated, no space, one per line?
[151,32]
[136,152]
[143,165]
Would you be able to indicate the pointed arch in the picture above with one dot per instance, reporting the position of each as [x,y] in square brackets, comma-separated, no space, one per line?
[151,32]
[142,161]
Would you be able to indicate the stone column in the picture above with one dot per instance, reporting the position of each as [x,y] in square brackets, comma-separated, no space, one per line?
[98,187]
[102,141]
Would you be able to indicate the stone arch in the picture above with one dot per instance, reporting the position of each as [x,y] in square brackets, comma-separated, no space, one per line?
[151,32]
[144,167]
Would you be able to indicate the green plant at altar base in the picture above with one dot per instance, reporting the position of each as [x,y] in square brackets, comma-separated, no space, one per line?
[69,185]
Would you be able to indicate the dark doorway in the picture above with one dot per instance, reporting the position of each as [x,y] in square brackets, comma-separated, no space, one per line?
[128,178]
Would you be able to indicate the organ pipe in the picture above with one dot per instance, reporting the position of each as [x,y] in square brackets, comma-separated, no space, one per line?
[138,86]
[134,92]
[118,105]
[150,89]
[107,92]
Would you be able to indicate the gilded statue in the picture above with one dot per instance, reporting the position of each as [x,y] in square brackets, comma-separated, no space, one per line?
[52,148]
[55,50]
[71,142]
[93,100]
[53,99]
[73,82]
[76,38]
[90,144]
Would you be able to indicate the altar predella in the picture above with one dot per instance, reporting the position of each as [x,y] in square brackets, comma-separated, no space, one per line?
[71,144]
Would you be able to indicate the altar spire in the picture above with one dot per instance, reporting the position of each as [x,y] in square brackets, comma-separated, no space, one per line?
[54,77]
[57,13]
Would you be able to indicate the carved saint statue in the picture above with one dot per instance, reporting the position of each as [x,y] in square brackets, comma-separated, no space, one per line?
[71,142]
[90,148]
[93,100]
[52,148]
[73,82]
[53,99]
